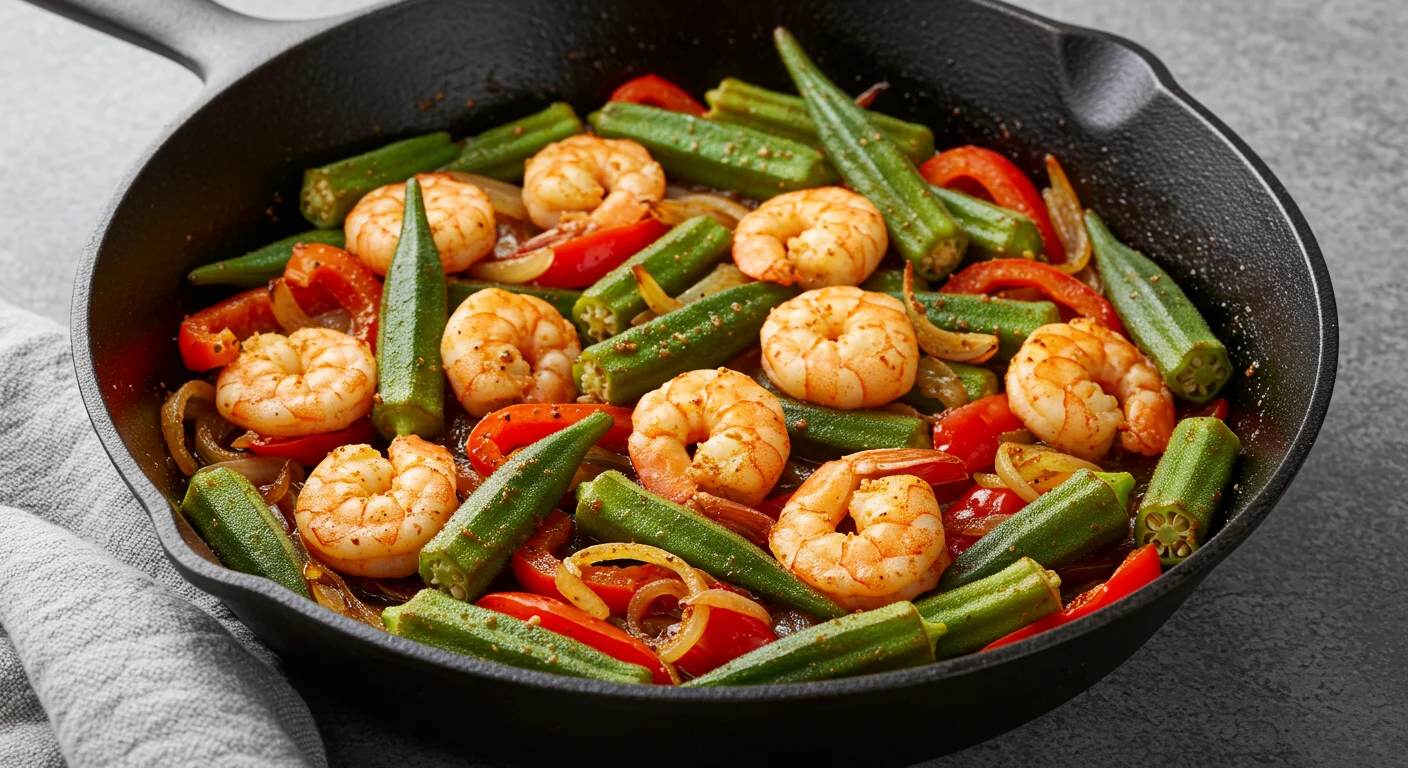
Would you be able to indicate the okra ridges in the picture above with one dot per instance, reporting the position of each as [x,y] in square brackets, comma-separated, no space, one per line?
[1171,531]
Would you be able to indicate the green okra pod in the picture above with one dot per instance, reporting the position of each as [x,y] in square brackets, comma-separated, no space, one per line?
[503,512]
[1075,519]
[756,164]
[892,637]
[1187,485]
[435,619]
[705,334]
[823,434]
[230,515]
[676,261]
[500,152]
[612,508]
[993,232]
[410,381]
[783,114]
[331,191]
[995,606]
[1160,317]
[258,267]
[920,227]
[978,383]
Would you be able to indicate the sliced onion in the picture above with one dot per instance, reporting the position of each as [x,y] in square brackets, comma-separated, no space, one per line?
[1091,278]
[270,474]
[937,381]
[942,344]
[331,591]
[655,297]
[569,574]
[978,526]
[1031,470]
[723,277]
[515,269]
[739,518]
[287,311]
[1067,218]
[506,198]
[212,431]
[173,421]
[680,206]
[645,597]
[730,601]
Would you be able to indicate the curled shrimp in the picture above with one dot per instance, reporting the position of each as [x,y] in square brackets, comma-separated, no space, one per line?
[812,237]
[897,551]
[460,215]
[1076,385]
[369,516]
[841,347]
[501,348]
[738,425]
[611,181]
[312,381]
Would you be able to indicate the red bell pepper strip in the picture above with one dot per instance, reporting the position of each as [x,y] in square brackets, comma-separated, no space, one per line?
[535,567]
[350,282]
[656,91]
[211,337]
[972,432]
[728,635]
[581,261]
[311,449]
[973,169]
[496,435]
[989,276]
[571,621]
[1141,567]
[977,503]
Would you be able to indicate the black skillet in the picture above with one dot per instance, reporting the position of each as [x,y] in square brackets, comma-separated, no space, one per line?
[1170,178]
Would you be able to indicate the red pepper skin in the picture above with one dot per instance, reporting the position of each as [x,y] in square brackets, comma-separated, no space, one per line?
[971,169]
[310,450]
[728,635]
[1141,567]
[497,434]
[989,276]
[656,91]
[977,503]
[971,432]
[350,282]
[581,261]
[535,567]
[211,337]
[564,619]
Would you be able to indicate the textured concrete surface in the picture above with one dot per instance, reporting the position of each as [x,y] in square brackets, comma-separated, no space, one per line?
[1292,652]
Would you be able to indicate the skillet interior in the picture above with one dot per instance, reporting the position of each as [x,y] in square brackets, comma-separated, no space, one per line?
[1169,179]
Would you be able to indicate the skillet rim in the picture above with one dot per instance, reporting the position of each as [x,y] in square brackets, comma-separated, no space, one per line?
[200,571]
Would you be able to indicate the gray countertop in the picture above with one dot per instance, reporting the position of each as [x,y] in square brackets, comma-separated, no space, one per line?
[1293,651]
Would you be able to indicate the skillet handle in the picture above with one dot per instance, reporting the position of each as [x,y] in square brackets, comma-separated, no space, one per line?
[207,38]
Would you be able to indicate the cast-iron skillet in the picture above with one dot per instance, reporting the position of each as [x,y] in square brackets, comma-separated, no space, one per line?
[1170,178]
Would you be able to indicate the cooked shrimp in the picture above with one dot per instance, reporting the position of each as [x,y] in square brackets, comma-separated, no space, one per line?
[609,180]
[312,381]
[739,428]
[841,347]
[897,551]
[1070,381]
[369,516]
[502,348]
[812,237]
[461,221]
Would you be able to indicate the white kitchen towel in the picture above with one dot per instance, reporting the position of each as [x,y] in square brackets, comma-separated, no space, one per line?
[107,656]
